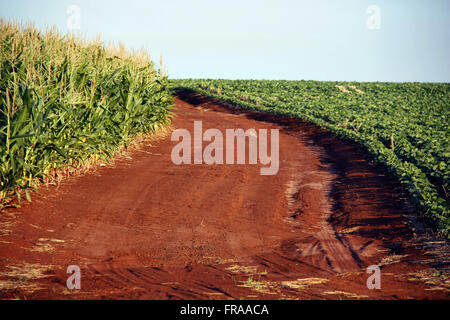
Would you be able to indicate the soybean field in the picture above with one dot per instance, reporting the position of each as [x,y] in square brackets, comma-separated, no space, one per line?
[403,125]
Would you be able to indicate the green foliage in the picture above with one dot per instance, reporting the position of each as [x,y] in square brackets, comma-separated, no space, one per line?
[64,103]
[403,125]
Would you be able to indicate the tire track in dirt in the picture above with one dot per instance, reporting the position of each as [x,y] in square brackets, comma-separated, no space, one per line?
[145,228]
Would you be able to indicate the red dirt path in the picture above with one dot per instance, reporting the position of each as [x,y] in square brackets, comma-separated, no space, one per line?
[145,228]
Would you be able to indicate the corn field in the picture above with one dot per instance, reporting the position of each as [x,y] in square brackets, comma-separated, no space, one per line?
[65,102]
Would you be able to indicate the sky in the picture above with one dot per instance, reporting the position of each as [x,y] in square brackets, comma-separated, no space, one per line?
[346,40]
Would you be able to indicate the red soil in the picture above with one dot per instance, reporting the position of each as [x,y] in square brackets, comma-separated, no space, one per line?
[145,228]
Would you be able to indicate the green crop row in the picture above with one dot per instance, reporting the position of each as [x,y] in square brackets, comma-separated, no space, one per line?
[405,126]
[65,102]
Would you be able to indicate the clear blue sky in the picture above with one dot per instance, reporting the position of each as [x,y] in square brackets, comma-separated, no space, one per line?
[279,39]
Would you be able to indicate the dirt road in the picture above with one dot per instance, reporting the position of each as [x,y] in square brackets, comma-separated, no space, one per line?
[145,228]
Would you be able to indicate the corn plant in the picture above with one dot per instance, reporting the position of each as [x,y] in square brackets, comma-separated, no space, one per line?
[65,102]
